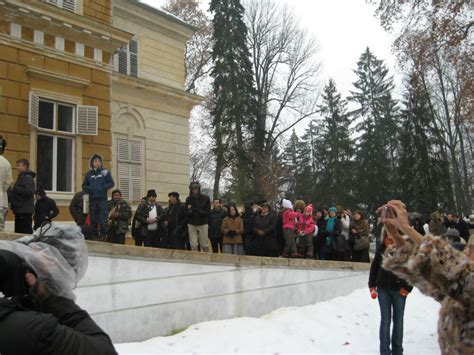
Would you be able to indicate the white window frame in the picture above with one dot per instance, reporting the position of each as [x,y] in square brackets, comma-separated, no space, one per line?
[56,135]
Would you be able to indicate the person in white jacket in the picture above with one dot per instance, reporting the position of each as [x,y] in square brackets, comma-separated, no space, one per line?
[5,182]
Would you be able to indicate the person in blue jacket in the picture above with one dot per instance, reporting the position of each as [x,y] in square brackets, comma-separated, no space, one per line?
[96,183]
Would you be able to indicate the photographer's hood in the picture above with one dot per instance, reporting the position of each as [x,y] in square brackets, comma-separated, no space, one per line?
[57,253]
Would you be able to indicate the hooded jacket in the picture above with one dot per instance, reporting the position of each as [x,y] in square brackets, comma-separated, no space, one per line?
[97,182]
[199,208]
[22,195]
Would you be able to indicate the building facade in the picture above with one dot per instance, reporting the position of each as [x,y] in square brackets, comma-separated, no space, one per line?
[64,95]
[150,109]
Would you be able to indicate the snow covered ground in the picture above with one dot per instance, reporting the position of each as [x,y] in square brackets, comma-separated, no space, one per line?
[343,325]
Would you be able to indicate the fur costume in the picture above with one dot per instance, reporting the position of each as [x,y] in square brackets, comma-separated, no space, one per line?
[447,275]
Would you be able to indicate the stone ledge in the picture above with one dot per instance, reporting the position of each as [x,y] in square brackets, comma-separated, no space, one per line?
[114,250]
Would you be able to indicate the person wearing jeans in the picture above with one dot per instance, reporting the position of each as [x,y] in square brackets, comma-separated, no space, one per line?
[391,292]
[96,183]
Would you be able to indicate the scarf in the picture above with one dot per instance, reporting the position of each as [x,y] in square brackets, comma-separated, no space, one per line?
[330,224]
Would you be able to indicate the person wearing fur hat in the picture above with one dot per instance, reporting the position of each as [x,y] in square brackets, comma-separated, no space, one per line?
[392,292]
[45,208]
[438,270]
[306,228]
[359,238]
[290,218]
[299,206]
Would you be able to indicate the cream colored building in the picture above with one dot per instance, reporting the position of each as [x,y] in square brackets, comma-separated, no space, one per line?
[149,107]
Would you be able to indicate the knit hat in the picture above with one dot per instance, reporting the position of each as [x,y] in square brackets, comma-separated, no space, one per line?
[151,193]
[309,209]
[332,209]
[453,233]
[286,204]
[300,205]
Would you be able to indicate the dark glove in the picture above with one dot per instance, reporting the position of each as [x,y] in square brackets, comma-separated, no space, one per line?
[231,233]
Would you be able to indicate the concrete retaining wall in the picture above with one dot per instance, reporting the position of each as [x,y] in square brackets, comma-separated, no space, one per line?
[139,293]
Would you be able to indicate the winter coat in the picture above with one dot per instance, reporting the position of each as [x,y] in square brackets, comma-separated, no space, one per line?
[265,245]
[436,227]
[56,326]
[290,219]
[447,275]
[215,222]
[232,229]
[380,277]
[358,239]
[5,180]
[76,208]
[45,210]
[97,182]
[345,225]
[306,225]
[177,218]
[248,218]
[141,217]
[120,224]
[22,195]
[463,229]
[199,210]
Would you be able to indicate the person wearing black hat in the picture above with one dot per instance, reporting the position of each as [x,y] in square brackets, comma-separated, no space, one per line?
[5,182]
[176,222]
[45,208]
[199,209]
[150,216]
[264,242]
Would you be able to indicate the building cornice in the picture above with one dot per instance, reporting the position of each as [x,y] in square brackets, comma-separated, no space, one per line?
[53,53]
[58,78]
[156,88]
[156,21]
[96,33]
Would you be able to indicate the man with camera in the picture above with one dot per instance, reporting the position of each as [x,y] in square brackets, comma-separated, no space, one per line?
[38,314]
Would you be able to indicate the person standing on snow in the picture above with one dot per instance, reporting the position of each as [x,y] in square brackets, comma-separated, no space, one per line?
[199,209]
[5,182]
[96,183]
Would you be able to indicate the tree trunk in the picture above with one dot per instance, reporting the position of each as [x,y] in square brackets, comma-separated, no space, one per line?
[219,150]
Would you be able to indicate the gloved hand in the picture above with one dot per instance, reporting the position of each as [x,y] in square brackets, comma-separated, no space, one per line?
[231,233]
[404,292]
[373,292]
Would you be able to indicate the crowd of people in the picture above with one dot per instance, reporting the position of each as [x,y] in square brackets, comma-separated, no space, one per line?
[295,230]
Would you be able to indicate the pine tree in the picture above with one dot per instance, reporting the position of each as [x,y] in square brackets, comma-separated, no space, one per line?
[421,169]
[334,150]
[376,121]
[234,106]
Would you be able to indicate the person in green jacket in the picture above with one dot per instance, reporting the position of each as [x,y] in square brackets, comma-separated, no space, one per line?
[120,214]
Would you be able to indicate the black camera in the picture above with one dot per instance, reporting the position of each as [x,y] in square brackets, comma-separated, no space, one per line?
[12,274]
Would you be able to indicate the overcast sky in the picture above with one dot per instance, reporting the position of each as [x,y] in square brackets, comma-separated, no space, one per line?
[344,29]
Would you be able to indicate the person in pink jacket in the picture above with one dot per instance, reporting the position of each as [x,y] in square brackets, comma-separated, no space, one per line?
[290,219]
[306,227]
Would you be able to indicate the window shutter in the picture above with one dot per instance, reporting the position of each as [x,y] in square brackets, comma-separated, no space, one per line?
[136,183]
[69,5]
[123,170]
[136,152]
[123,153]
[54,2]
[38,37]
[33,114]
[15,30]
[87,120]
[133,52]
[122,61]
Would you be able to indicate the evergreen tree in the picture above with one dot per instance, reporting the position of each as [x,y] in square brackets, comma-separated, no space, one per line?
[334,150]
[376,121]
[421,169]
[234,107]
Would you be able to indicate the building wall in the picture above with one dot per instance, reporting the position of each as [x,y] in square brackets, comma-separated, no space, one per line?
[144,298]
[62,75]
[153,108]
